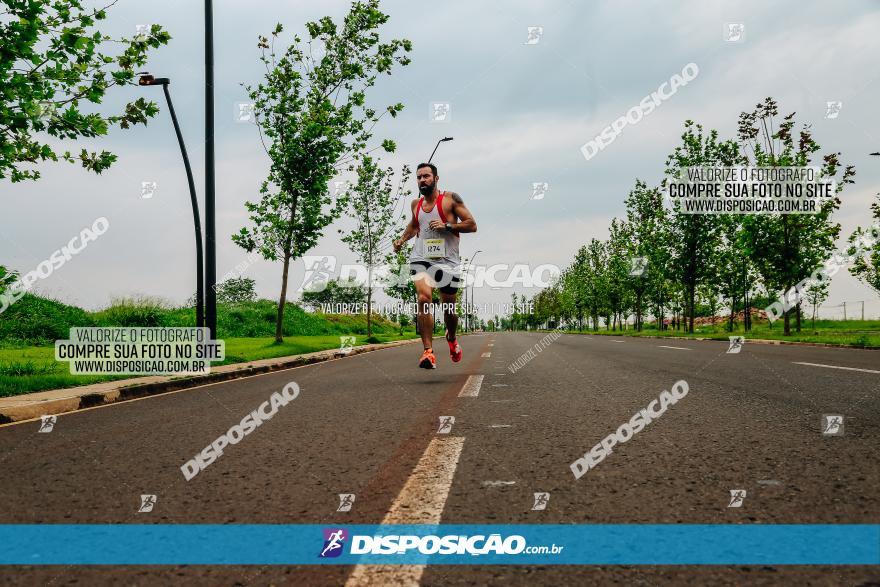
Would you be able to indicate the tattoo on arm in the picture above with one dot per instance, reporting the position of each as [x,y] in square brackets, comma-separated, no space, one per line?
[456,198]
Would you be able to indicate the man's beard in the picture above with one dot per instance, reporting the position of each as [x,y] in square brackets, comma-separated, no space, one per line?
[426,190]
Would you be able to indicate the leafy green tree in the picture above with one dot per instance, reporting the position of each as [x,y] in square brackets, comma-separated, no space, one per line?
[237,290]
[648,220]
[312,110]
[346,293]
[816,294]
[695,236]
[372,201]
[866,262]
[788,247]
[53,62]
[7,278]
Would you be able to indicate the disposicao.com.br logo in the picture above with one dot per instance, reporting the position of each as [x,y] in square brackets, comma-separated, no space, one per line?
[431,544]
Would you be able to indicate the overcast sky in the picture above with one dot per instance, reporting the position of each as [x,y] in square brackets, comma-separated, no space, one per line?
[519,114]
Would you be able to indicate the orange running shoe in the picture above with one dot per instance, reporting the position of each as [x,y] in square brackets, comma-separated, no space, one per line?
[428,361]
[454,350]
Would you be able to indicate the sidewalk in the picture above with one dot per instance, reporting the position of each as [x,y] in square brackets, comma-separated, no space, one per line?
[57,401]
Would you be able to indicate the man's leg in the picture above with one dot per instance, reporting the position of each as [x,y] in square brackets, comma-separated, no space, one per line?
[449,315]
[425,317]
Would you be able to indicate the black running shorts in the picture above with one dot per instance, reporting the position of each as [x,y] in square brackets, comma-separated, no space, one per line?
[444,280]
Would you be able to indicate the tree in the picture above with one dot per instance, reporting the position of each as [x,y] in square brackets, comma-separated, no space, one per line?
[647,220]
[695,236]
[236,291]
[864,245]
[786,247]
[51,65]
[346,293]
[815,295]
[312,111]
[373,201]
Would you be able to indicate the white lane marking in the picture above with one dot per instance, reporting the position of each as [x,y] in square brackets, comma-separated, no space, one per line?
[501,374]
[500,425]
[500,385]
[421,501]
[678,348]
[500,401]
[491,344]
[471,387]
[498,483]
[836,367]
[486,355]
[616,341]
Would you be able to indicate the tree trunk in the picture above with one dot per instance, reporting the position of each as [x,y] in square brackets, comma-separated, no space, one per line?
[369,302]
[798,318]
[786,323]
[732,312]
[282,300]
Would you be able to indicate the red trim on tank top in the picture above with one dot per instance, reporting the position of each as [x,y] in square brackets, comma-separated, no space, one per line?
[418,208]
[440,207]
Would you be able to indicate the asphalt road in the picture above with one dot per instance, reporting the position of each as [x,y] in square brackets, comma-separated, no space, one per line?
[362,424]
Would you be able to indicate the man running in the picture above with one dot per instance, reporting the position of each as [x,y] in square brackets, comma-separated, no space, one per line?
[437,219]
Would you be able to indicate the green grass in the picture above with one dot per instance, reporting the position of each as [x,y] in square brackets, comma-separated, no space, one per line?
[854,333]
[29,328]
[33,368]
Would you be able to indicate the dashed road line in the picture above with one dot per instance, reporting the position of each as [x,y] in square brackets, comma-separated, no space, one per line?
[471,387]
[678,348]
[836,367]
[421,501]
[486,355]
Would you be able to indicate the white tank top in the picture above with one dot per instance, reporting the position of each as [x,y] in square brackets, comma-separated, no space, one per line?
[437,247]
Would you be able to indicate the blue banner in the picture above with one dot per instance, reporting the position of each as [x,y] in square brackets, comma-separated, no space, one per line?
[472,544]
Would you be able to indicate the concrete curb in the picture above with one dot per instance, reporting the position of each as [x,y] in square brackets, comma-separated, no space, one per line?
[33,405]
[748,340]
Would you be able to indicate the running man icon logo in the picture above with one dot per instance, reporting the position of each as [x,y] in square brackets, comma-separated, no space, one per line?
[334,539]
[141,32]
[340,187]
[47,423]
[832,109]
[737,496]
[244,112]
[637,266]
[346,343]
[832,425]
[147,503]
[346,500]
[736,344]
[148,188]
[534,35]
[440,112]
[541,500]
[734,32]
[319,268]
[446,423]
[539,189]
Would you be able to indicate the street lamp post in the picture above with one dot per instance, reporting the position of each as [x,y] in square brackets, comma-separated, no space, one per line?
[443,140]
[148,80]
[210,223]
[468,316]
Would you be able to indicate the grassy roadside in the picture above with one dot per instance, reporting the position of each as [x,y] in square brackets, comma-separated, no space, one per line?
[33,368]
[852,333]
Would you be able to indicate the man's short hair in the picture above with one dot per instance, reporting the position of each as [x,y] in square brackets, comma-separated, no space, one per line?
[431,165]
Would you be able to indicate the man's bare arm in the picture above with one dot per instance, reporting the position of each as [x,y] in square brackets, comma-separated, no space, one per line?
[412,229]
[466,222]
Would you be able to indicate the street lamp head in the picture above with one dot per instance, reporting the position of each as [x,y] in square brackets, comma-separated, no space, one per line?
[444,139]
[876,154]
[146,79]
